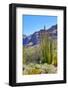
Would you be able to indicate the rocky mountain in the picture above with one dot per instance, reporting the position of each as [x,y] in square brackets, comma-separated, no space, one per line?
[24,36]
[34,39]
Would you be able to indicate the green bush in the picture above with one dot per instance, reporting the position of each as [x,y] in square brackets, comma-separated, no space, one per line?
[39,69]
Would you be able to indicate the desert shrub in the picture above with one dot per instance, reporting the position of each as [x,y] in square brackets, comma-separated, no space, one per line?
[39,69]
[24,55]
[31,69]
[31,55]
[49,68]
[27,55]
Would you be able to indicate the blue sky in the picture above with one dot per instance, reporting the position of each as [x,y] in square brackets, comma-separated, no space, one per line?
[33,23]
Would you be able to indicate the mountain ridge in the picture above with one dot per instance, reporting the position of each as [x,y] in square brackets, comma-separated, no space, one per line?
[34,39]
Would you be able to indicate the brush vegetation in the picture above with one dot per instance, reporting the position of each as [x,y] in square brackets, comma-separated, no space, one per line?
[41,58]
